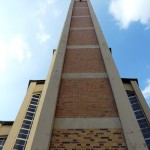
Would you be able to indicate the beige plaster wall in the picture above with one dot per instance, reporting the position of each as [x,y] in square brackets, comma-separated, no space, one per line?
[5,129]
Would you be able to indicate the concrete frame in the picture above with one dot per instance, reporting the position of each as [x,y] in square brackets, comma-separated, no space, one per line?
[82,46]
[133,136]
[87,123]
[43,125]
[80,16]
[83,75]
[82,28]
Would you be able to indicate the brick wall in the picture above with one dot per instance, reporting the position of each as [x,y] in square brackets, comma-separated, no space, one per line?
[81,12]
[83,61]
[82,37]
[81,22]
[85,98]
[92,139]
[79,4]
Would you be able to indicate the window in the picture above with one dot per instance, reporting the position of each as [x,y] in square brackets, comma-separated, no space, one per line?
[24,132]
[2,142]
[140,116]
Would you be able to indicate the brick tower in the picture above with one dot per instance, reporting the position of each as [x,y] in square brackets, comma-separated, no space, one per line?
[83,103]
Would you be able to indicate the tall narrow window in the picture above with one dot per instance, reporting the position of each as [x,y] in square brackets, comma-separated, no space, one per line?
[140,116]
[24,132]
[2,142]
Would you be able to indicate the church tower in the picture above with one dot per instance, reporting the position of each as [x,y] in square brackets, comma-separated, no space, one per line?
[83,104]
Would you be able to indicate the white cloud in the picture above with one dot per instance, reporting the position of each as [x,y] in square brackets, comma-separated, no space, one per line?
[43,7]
[16,49]
[127,11]
[42,37]
[146,91]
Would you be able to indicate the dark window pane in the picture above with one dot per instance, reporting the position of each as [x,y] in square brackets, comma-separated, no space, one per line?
[36,96]
[143,125]
[148,142]
[142,121]
[136,105]
[147,130]
[34,99]
[2,141]
[148,146]
[136,108]
[32,110]
[146,135]
[139,113]
[27,122]
[23,136]
[26,126]
[24,131]
[19,147]
[140,116]
[20,142]
[34,103]
[28,117]
[29,114]
[130,93]
[32,106]
[133,102]
[133,99]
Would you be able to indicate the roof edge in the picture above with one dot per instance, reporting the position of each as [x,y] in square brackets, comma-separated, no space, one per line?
[6,122]
[37,81]
[127,80]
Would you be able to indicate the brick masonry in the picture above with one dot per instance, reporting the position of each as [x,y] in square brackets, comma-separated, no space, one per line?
[80,4]
[85,98]
[81,22]
[89,139]
[82,37]
[81,12]
[83,61]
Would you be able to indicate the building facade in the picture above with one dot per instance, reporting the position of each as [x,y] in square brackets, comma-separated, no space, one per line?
[83,103]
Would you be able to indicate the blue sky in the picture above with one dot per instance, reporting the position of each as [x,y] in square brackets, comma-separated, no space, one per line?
[30,30]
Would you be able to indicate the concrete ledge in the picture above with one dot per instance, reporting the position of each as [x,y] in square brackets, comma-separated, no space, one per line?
[81,16]
[82,0]
[86,123]
[84,28]
[83,75]
[82,46]
[80,7]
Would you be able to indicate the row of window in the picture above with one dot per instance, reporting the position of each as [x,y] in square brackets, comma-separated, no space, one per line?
[2,142]
[24,132]
[141,118]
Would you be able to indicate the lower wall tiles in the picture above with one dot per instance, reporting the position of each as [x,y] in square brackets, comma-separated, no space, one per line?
[89,139]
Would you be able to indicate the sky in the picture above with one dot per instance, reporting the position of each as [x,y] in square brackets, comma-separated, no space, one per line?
[30,30]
